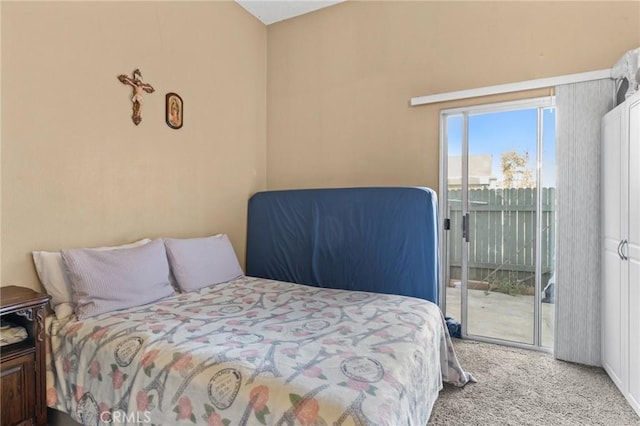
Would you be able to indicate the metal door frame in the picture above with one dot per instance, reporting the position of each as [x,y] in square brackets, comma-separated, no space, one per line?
[539,104]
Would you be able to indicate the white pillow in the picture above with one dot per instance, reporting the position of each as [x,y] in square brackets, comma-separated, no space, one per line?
[201,262]
[109,280]
[53,277]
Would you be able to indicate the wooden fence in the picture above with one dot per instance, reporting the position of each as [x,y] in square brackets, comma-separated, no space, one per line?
[502,234]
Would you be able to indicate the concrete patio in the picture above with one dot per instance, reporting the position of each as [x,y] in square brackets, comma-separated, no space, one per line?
[501,316]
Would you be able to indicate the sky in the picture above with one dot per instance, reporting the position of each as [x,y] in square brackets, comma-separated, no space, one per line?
[497,132]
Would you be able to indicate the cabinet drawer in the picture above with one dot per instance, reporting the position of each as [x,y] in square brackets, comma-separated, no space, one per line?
[18,390]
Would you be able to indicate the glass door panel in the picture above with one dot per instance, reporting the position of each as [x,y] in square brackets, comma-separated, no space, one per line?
[502,225]
[453,273]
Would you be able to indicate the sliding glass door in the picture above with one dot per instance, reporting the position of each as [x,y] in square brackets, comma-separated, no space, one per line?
[498,207]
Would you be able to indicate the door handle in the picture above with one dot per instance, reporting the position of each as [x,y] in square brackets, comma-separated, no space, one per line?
[621,245]
[619,252]
[465,227]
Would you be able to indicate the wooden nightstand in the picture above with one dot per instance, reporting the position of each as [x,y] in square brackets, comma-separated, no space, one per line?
[22,365]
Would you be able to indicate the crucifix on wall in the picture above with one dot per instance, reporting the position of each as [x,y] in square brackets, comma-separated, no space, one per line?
[138,88]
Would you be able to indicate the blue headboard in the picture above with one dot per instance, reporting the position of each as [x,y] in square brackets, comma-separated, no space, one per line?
[383,240]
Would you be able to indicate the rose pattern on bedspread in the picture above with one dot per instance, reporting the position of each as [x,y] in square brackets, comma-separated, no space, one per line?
[255,352]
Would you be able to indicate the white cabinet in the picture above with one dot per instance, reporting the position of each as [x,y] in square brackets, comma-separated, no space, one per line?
[633,255]
[613,284]
[621,248]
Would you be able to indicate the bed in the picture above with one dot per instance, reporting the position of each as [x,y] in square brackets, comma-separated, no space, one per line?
[172,331]
[254,351]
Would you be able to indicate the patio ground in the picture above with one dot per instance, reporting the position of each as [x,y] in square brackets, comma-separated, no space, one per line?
[501,316]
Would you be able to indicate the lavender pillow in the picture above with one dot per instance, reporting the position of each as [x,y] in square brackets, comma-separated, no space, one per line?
[201,262]
[105,281]
[52,274]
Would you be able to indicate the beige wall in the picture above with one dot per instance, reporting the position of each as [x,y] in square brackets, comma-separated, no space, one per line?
[77,172]
[340,80]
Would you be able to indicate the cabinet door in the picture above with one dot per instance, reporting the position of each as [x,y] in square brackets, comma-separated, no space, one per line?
[18,382]
[632,251]
[613,359]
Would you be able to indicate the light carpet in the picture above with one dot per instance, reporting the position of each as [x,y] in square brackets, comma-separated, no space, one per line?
[520,387]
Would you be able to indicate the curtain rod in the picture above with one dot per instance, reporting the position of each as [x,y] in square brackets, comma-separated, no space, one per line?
[512,87]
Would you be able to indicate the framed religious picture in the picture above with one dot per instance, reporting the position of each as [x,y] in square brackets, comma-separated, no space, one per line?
[173,110]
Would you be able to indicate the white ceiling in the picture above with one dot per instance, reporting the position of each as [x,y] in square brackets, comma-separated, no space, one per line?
[270,11]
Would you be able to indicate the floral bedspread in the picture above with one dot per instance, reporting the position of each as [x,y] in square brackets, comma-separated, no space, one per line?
[251,352]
